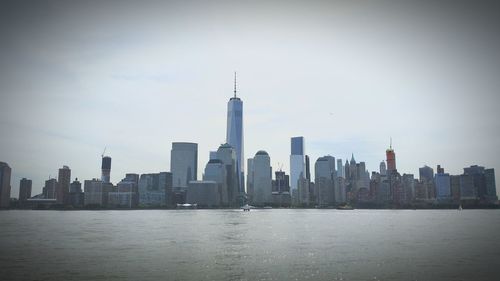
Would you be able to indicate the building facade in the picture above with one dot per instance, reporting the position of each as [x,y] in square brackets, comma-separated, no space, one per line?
[63,181]
[183,164]
[5,172]
[25,186]
[297,161]
[262,179]
[234,135]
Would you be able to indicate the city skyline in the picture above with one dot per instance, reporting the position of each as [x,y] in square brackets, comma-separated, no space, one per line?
[340,87]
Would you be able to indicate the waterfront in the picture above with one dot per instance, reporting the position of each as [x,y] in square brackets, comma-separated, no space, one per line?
[277,244]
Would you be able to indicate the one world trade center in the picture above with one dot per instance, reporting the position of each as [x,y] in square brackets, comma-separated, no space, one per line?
[234,134]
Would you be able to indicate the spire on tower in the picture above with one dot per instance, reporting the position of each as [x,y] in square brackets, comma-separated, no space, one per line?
[390,146]
[235,84]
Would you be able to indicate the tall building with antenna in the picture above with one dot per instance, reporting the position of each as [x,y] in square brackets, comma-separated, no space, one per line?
[391,158]
[234,134]
[105,167]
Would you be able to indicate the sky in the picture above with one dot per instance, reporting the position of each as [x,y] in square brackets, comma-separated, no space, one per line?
[135,76]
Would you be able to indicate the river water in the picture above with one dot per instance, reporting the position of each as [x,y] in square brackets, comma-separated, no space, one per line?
[277,244]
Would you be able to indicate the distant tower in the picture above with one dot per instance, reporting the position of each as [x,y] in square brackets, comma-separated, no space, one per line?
[391,158]
[105,169]
[262,179]
[63,182]
[234,134]
[24,189]
[5,172]
[308,168]
[183,164]
[297,162]
[440,170]
[383,168]
[340,169]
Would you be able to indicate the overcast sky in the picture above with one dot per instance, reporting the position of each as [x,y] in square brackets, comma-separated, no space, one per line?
[76,76]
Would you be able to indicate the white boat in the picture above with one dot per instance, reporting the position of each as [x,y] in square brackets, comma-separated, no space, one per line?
[187,206]
[246,208]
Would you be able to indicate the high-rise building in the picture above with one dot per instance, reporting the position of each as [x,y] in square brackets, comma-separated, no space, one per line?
[340,190]
[281,184]
[383,169]
[443,186]
[250,179]
[234,135]
[324,171]
[491,189]
[227,154]
[455,188]
[391,159]
[467,191]
[478,179]
[126,193]
[340,169]
[426,174]
[262,179]
[203,193]
[155,190]
[5,187]
[76,196]
[408,182]
[304,198]
[106,169]
[96,192]
[215,170]
[439,169]
[24,189]
[308,168]
[50,188]
[212,155]
[63,181]
[183,164]
[297,162]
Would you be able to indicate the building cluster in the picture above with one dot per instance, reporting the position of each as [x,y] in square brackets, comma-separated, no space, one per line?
[223,181]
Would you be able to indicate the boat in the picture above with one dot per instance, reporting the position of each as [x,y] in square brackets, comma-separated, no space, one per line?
[246,208]
[460,207]
[345,207]
[187,206]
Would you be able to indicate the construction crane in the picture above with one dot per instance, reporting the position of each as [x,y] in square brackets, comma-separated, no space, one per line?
[102,155]
[280,166]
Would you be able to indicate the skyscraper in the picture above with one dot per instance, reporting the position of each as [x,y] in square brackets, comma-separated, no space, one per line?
[443,186]
[383,168]
[391,159]
[250,180]
[24,189]
[215,170]
[297,164]
[105,169]
[76,194]
[262,179]
[324,171]
[426,174]
[49,190]
[308,168]
[63,181]
[183,164]
[227,154]
[340,169]
[5,172]
[234,134]
[155,190]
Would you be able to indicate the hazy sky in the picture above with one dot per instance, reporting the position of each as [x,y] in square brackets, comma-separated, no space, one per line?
[76,76]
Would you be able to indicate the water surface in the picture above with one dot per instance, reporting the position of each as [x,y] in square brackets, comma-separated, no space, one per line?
[276,244]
